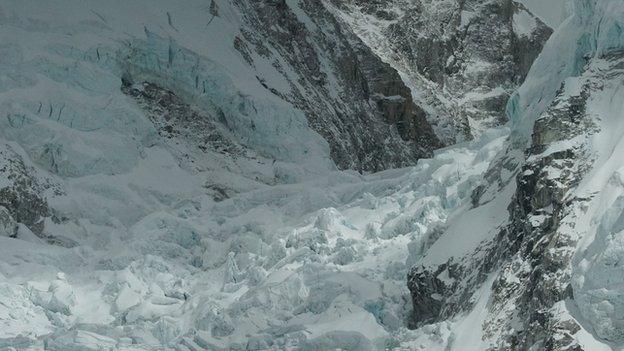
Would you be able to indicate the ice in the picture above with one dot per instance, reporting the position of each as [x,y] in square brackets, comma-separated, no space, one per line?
[127,298]
[291,254]
[62,296]
[81,340]
[597,280]
[592,29]
[17,309]
[588,43]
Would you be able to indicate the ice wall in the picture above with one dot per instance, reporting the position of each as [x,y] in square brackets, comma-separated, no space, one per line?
[594,29]
[62,76]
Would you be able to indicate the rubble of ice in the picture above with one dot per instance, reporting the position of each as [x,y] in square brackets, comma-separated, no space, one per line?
[317,260]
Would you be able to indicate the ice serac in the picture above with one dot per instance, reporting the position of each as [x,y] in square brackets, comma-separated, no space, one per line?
[220,92]
[546,266]
[462,59]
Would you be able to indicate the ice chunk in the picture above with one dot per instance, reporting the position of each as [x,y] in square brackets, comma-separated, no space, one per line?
[166,329]
[215,320]
[328,219]
[63,298]
[232,273]
[20,316]
[127,298]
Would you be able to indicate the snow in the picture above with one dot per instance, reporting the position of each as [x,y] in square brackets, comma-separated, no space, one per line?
[552,12]
[583,54]
[314,260]
[524,23]
[319,259]
[467,332]
[593,29]
[471,228]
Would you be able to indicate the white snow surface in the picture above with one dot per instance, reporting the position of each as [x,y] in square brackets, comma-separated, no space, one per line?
[305,265]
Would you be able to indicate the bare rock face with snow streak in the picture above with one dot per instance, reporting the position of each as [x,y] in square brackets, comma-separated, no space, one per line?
[21,194]
[463,59]
[8,225]
[358,103]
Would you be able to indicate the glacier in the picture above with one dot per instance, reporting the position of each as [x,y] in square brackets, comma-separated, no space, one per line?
[166,200]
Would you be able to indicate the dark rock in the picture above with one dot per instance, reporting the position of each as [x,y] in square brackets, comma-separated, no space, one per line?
[534,253]
[22,198]
[465,57]
[358,103]
[8,225]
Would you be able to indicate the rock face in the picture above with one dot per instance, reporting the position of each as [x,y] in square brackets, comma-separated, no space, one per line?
[541,238]
[545,264]
[21,199]
[8,225]
[358,103]
[463,59]
[284,84]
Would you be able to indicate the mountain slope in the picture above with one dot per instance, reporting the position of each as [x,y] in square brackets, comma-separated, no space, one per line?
[195,176]
[539,265]
[462,59]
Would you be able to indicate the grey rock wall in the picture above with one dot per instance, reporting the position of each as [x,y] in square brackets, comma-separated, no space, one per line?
[358,103]
[463,58]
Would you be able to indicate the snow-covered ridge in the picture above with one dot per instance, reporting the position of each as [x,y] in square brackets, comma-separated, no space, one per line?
[592,30]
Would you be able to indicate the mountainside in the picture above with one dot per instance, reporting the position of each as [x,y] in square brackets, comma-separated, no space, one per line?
[548,265]
[310,175]
[462,59]
[355,101]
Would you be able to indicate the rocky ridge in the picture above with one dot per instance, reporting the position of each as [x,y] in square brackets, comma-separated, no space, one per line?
[462,59]
[538,297]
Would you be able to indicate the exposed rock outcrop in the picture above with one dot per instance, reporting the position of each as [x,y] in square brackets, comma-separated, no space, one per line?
[21,198]
[462,58]
[8,225]
[358,103]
